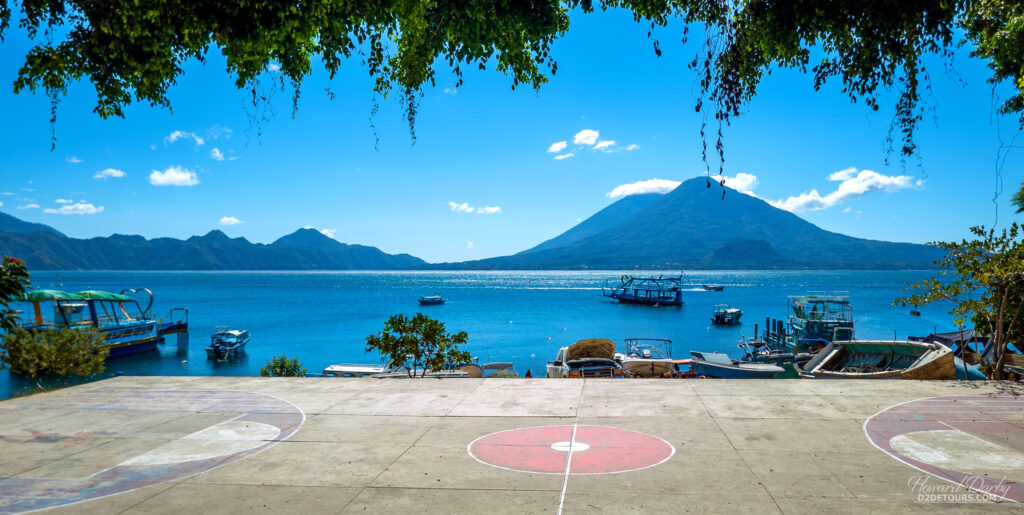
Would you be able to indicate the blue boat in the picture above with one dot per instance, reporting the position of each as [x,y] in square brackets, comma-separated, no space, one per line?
[431,300]
[718,365]
[227,343]
[128,328]
[648,291]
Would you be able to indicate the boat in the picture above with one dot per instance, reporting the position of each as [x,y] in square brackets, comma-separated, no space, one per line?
[648,291]
[718,365]
[431,300]
[880,359]
[725,315]
[488,370]
[647,357]
[819,318]
[594,357]
[355,370]
[127,327]
[417,371]
[712,287]
[227,344]
[683,368]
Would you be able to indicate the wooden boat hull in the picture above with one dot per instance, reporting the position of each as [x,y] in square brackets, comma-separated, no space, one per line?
[839,360]
[648,367]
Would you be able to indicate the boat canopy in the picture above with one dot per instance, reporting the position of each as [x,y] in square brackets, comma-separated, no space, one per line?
[51,295]
[103,295]
[591,348]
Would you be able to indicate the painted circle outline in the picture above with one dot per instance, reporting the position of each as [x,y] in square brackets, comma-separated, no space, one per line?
[864,427]
[469,451]
[184,477]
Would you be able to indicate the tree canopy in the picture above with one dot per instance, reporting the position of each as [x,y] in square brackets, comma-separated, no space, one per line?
[134,51]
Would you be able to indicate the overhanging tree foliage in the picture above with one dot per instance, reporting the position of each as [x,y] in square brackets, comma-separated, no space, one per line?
[419,341]
[14,280]
[984,278]
[134,51]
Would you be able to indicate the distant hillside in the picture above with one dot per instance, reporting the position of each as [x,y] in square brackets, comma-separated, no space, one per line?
[603,220]
[11,224]
[305,249]
[694,227]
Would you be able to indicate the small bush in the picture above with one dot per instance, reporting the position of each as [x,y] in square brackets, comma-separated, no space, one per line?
[63,353]
[282,366]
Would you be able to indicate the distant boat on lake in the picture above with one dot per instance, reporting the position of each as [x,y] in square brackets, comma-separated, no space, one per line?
[431,300]
[712,287]
[648,291]
[227,343]
[725,315]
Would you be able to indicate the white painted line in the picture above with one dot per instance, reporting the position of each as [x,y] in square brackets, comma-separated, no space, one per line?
[911,465]
[572,442]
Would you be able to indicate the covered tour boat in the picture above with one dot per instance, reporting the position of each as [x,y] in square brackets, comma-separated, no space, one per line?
[648,291]
[128,328]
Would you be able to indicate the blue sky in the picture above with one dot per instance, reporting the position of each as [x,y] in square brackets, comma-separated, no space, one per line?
[480,180]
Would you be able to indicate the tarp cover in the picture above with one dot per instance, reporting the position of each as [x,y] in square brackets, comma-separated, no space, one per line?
[36,295]
[591,348]
[103,295]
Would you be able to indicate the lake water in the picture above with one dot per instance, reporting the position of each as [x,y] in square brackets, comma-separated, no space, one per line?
[524,317]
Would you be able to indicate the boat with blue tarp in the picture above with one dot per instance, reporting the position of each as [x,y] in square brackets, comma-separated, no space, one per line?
[648,291]
[127,327]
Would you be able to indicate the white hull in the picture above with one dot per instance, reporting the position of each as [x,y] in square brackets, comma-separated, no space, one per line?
[647,367]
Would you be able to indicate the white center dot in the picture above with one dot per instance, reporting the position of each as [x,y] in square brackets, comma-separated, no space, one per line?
[565,446]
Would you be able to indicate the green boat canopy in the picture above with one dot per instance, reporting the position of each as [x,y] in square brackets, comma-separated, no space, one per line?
[37,295]
[103,295]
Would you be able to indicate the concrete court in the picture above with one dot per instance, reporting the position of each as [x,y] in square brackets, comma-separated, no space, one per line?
[326,445]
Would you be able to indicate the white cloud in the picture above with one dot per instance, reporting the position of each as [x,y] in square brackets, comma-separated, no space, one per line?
[176,135]
[847,210]
[216,154]
[604,146]
[109,173]
[450,91]
[329,232]
[230,220]
[558,146]
[843,175]
[460,208]
[173,176]
[81,208]
[585,137]
[852,185]
[274,67]
[64,201]
[466,208]
[742,182]
[7,193]
[217,131]
[639,187]
[26,206]
[564,156]
[73,159]
[469,245]
[631,147]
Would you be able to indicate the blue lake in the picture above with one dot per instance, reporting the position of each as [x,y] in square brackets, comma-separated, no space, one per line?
[324,317]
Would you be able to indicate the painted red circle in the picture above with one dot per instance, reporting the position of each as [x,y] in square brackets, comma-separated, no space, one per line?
[992,423]
[595,450]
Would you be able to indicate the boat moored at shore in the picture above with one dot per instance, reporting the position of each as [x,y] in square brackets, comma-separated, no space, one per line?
[880,359]
[127,327]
